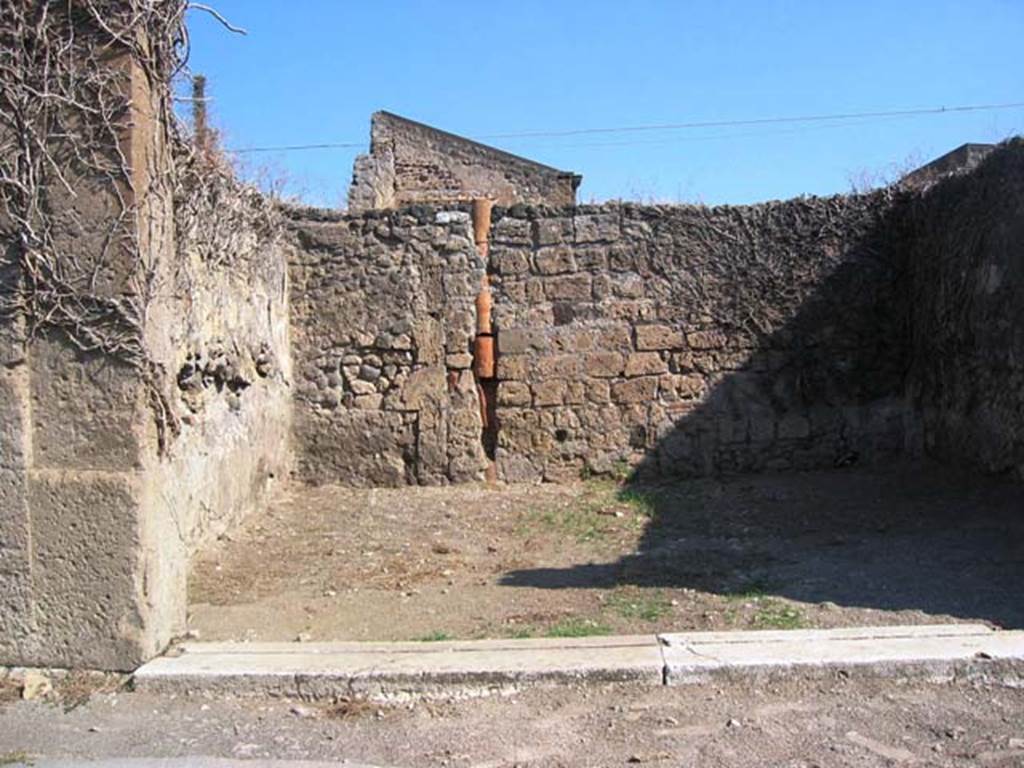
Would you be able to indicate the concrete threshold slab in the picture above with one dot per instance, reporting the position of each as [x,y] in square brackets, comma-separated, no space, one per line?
[462,669]
[937,651]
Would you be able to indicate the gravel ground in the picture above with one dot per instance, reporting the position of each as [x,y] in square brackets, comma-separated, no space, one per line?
[816,549]
[798,724]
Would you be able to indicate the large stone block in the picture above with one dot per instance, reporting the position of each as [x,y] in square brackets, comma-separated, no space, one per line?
[512,231]
[517,341]
[17,623]
[597,228]
[704,340]
[659,337]
[574,287]
[514,367]
[557,366]
[555,260]
[385,440]
[550,392]
[90,598]
[639,390]
[423,387]
[87,410]
[645,363]
[513,393]
[510,261]
[604,364]
[553,231]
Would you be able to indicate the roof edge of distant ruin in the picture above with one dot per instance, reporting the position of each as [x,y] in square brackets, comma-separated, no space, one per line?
[479,145]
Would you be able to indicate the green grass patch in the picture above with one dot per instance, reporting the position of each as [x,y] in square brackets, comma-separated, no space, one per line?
[621,471]
[604,507]
[582,523]
[645,607]
[435,637]
[773,614]
[15,758]
[751,590]
[520,633]
[577,628]
[642,503]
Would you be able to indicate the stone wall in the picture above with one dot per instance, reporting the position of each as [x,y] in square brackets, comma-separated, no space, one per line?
[690,340]
[967,298]
[677,339]
[382,326]
[74,538]
[117,459]
[411,163]
[220,332]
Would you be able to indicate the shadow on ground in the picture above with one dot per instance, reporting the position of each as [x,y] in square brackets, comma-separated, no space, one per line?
[835,397]
[896,540]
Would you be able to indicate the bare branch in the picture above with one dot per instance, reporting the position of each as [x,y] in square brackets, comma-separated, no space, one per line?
[213,12]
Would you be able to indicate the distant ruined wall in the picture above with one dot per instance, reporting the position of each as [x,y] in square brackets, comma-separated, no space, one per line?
[410,164]
[967,299]
[382,327]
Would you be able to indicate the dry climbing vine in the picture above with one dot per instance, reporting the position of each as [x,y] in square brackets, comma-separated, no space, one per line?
[75,220]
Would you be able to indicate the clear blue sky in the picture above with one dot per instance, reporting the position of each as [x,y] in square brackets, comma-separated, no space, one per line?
[313,71]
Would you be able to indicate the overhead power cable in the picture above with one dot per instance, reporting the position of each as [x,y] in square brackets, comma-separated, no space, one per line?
[756,121]
[675,126]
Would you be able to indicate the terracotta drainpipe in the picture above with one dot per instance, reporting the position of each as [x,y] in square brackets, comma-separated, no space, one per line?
[483,351]
[483,354]
[483,347]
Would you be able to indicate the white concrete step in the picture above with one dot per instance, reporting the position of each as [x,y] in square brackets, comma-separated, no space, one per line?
[455,669]
[928,650]
[321,670]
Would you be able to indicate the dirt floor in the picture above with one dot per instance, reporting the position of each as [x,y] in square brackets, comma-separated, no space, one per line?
[836,723]
[822,549]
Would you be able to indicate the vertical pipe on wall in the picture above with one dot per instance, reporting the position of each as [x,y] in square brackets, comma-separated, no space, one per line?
[483,346]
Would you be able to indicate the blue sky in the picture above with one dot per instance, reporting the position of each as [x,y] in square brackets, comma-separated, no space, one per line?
[312,71]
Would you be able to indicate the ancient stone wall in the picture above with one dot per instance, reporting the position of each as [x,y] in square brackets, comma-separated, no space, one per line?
[967,300]
[219,331]
[101,508]
[382,326]
[677,339]
[411,163]
[690,340]
[144,399]
[75,405]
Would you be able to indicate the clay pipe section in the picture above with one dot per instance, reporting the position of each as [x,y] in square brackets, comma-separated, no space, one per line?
[483,345]
[483,350]
[482,225]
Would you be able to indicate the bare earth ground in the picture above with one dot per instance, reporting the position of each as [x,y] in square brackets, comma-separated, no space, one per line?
[822,549]
[837,723]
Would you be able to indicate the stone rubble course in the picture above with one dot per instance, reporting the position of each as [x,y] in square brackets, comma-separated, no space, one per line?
[464,668]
